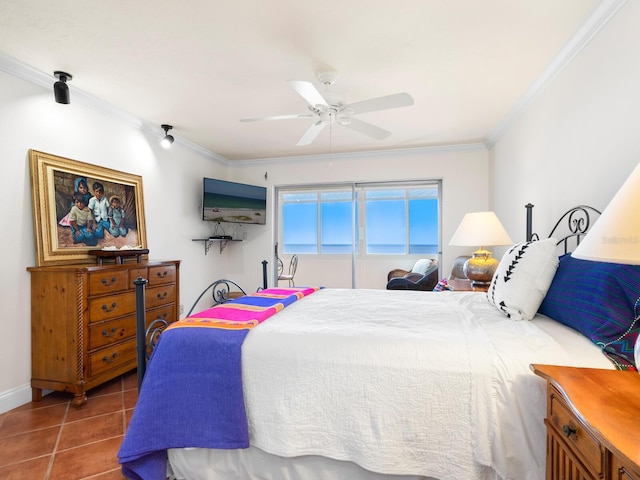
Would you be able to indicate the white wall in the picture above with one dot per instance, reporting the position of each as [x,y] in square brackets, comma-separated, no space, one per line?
[579,138]
[464,174]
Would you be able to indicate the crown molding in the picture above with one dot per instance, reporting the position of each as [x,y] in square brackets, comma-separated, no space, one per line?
[598,18]
[361,154]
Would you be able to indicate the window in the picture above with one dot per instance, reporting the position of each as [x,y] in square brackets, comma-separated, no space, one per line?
[392,218]
[401,221]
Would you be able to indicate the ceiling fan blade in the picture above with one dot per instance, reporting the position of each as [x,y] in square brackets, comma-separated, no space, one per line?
[311,134]
[310,93]
[278,117]
[380,103]
[366,128]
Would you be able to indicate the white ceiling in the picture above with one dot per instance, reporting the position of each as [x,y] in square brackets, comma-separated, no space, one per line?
[203,65]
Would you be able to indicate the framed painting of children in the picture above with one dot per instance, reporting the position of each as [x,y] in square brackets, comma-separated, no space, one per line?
[78,207]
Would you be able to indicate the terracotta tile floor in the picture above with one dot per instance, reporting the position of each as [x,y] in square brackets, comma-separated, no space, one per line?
[51,440]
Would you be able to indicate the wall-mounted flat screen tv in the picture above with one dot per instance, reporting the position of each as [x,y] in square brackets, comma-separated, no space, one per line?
[232,202]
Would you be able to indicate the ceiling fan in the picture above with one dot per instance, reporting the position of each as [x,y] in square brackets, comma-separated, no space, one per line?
[326,109]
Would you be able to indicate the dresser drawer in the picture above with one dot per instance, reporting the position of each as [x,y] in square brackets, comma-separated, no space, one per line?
[109,281]
[162,274]
[112,357]
[106,333]
[162,295]
[166,313]
[111,306]
[582,443]
[137,272]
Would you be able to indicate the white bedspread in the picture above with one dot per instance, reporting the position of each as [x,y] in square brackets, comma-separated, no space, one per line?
[413,383]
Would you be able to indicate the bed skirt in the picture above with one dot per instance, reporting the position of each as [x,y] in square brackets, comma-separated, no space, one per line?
[204,464]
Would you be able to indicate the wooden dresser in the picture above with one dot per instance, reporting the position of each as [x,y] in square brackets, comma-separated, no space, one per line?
[83,321]
[593,423]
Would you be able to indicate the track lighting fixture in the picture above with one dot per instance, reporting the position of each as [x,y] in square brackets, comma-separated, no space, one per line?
[168,139]
[60,88]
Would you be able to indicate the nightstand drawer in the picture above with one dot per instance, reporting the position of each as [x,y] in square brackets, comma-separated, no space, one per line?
[586,447]
[621,470]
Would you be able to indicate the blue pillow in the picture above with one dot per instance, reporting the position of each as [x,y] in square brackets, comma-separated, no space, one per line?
[598,300]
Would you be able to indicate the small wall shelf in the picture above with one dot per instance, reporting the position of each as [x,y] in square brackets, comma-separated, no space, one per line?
[210,241]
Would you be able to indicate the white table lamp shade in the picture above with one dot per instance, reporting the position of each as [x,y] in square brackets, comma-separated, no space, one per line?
[615,236]
[479,229]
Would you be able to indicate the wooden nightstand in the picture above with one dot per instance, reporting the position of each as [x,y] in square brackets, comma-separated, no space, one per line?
[593,423]
[461,285]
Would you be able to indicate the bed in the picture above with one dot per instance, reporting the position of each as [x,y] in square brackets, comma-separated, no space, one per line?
[379,384]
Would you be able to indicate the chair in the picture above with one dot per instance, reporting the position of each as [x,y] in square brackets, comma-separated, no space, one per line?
[293,266]
[423,276]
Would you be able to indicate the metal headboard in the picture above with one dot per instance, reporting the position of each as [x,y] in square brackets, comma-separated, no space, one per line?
[570,228]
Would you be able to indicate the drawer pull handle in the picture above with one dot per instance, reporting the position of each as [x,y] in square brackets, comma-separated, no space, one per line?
[163,274]
[106,308]
[108,334]
[162,296]
[570,430]
[106,359]
[107,282]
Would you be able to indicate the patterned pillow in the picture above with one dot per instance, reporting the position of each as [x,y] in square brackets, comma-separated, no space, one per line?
[523,277]
[597,299]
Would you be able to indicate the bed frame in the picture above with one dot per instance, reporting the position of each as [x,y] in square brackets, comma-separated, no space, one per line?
[577,220]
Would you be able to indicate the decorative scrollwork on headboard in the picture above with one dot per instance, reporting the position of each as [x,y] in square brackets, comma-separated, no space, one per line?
[570,228]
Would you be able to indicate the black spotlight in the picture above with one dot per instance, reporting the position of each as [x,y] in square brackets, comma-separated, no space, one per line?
[60,88]
[168,139]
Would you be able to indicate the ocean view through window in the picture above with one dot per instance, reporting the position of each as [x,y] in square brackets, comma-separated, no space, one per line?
[395,218]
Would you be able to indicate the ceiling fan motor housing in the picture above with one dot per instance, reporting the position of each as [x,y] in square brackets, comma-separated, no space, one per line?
[327,76]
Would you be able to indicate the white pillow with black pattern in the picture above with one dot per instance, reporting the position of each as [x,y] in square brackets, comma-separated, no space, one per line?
[523,278]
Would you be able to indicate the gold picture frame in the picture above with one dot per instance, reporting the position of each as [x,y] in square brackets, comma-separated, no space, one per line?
[56,184]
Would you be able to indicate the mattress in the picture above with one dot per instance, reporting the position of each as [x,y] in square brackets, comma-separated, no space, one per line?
[386,384]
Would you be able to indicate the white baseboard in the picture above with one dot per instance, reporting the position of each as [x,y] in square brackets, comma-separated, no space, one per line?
[15,397]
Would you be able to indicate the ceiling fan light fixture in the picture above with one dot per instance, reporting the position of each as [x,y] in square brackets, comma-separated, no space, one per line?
[168,139]
[60,88]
